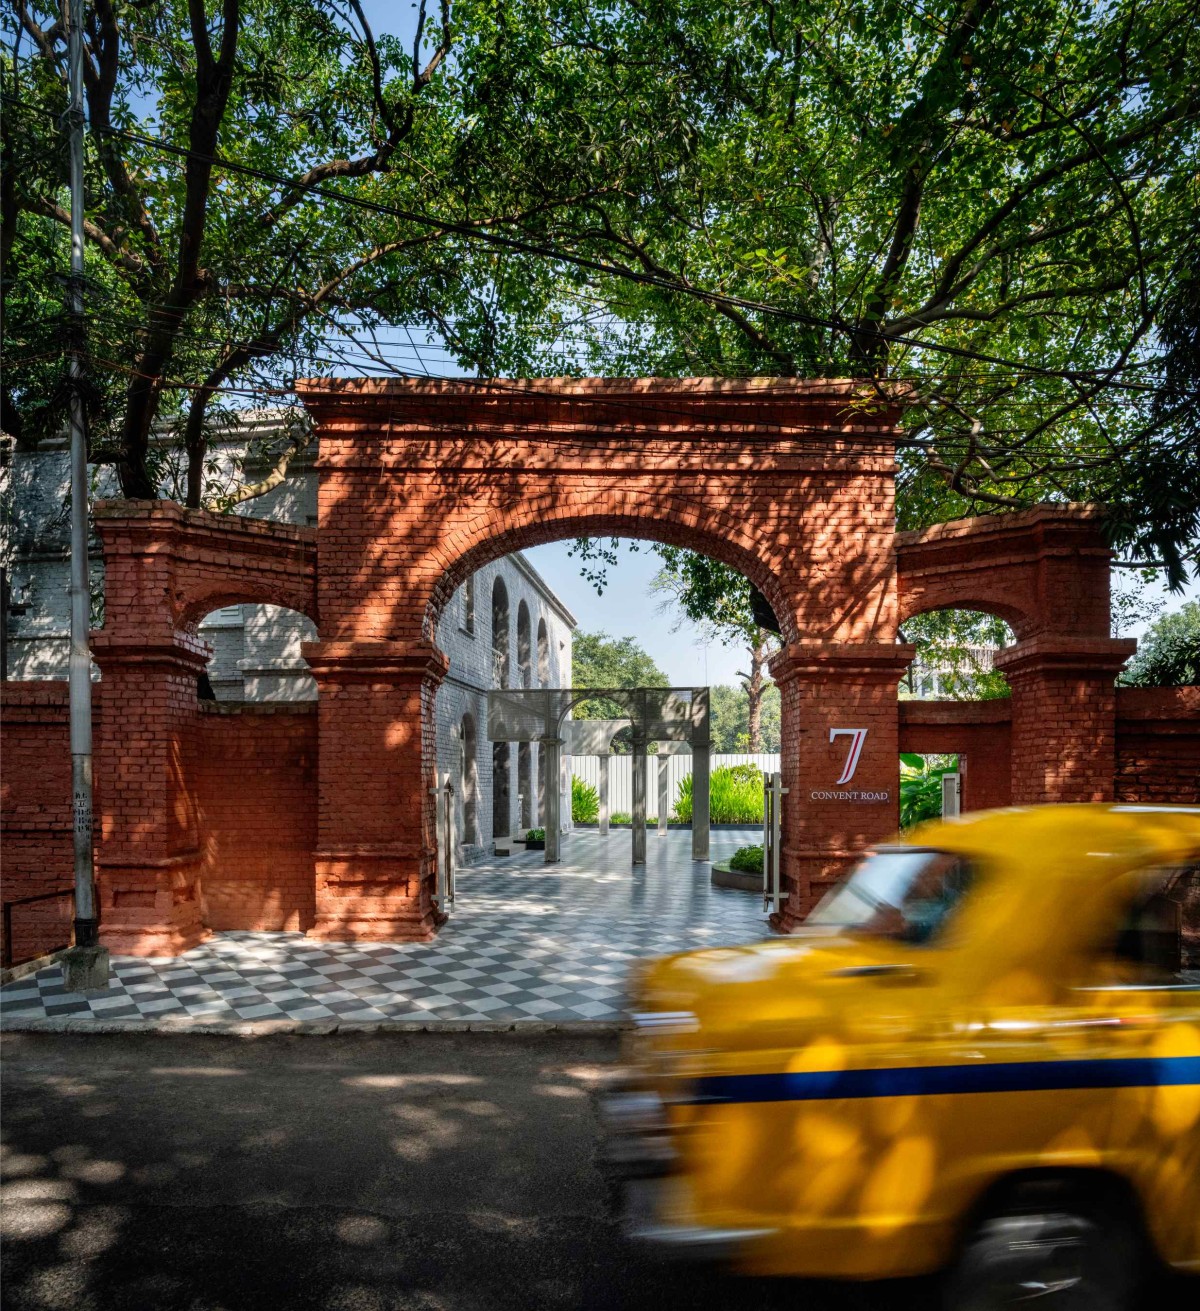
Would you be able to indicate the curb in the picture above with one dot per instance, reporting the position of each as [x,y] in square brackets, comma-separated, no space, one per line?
[310,1028]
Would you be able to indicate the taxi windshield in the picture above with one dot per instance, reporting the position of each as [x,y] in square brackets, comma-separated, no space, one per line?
[905,893]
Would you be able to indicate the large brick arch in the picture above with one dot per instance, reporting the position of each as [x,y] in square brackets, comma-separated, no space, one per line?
[421,483]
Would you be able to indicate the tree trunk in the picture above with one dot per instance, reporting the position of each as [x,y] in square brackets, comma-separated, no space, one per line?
[755,685]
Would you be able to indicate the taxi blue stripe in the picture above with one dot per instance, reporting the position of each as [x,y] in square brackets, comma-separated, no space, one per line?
[933,1080]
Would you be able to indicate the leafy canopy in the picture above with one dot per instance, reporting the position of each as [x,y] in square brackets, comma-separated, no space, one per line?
[598,660]
[1169,654]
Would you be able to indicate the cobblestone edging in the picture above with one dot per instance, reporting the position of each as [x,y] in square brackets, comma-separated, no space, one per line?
[169,1026]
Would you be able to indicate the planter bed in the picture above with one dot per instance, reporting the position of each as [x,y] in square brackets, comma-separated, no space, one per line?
[740,879]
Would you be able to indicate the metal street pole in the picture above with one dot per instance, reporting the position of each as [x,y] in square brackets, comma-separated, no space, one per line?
[85,965]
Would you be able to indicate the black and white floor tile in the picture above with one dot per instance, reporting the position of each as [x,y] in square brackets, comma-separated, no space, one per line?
[526,941]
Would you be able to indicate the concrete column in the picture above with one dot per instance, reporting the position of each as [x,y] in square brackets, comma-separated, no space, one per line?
[552,764]
[639,801]
[604,796]
[701,801]
[664,793]
[701,796]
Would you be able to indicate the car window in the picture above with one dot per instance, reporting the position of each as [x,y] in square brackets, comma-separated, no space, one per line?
[1158,942]
[904,893]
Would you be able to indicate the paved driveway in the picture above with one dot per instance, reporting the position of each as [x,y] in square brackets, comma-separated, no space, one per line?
[526,942]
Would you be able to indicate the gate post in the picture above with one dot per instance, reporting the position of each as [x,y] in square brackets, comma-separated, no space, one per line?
[376,858]
[840,758]
[1064,716]
[148,831]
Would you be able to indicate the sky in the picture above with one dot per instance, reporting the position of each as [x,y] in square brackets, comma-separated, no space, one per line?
[629,609]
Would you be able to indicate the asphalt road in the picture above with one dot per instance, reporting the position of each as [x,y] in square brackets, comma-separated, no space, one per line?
[350,1173]
[441,1172]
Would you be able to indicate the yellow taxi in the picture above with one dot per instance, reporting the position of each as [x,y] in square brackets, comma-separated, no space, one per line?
[980,1054]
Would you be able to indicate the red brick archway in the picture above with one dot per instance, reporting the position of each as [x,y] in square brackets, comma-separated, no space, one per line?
[421,483]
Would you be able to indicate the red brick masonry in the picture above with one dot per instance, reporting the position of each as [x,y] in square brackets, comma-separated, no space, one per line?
[319,818]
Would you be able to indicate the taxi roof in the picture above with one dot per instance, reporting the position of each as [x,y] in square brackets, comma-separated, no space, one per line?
[1090,840]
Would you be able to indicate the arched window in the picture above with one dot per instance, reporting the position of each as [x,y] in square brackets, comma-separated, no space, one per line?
[524,655]
[469,743]
[543,654]
[501,658]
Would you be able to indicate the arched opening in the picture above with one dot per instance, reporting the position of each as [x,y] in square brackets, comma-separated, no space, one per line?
[524,645]
[501,649]
[525,783]
[543,654]
[501,791]
[955,715]
[469,779]
[256,654]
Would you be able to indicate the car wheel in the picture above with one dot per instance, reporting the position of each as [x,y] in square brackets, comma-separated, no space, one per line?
[1047,1254]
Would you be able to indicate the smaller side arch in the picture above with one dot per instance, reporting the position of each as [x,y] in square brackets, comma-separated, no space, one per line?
[1044,570]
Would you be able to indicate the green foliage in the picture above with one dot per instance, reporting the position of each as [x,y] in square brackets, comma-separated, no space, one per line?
[598,660]
[622,819]
[585,801]
[535,835]
[747,859]
[921,786]
[1013,184]
[735,796]
[1169,654]
[949,642]
[730,723]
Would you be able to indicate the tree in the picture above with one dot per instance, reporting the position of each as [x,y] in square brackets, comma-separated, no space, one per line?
[1169,654]
[598,660]
[952,643]
[730,708]
[270,187]
[982,208]
[720,600]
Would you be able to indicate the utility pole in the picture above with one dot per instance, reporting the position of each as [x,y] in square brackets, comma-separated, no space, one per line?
[85,965]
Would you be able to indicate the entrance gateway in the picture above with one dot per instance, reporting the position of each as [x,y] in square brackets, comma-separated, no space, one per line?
[422,483]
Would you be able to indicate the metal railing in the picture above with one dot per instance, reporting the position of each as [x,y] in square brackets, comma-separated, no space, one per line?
[8,962]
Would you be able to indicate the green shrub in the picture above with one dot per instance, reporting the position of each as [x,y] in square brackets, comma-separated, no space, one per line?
[585,801]
[735,796]
[748,859]
[620,818]
[536,835]
[921,786]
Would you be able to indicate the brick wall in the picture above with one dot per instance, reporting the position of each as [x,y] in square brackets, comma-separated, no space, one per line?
[1158,744]
[978,732]
[35,812]
[253,773]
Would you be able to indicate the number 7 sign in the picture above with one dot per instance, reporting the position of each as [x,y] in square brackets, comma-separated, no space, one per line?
[857,737]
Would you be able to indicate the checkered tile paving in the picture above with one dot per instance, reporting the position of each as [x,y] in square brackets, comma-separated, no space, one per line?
[525,941]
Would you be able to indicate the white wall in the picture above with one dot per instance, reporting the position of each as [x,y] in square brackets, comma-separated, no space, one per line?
[620,775]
